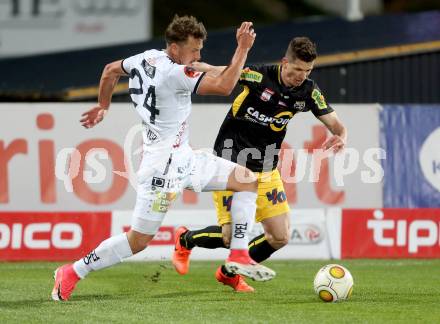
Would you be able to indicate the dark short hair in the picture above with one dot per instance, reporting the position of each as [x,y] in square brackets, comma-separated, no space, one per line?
[181,28]
[302,48]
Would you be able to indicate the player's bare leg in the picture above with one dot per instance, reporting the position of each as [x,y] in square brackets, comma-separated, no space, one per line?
[276,235]
[277,230]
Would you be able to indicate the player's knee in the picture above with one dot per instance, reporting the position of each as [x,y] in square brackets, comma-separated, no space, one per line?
[138,241]
[279,240]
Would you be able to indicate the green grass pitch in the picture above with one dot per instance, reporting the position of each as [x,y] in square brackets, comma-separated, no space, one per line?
[405,291]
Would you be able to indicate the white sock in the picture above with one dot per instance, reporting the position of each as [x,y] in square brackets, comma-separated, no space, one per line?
[243,218]
[110,252]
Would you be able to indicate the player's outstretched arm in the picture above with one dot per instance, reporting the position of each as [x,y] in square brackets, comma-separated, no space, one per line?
[109,79]
[224,83]
[335,126]
[211,69]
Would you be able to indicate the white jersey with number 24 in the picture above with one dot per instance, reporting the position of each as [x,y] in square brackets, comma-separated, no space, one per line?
[161,91]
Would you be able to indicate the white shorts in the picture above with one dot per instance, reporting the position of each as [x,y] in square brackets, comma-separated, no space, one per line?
[162,179]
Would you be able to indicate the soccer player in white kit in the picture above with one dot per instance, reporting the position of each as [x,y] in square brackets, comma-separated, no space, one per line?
[160,87]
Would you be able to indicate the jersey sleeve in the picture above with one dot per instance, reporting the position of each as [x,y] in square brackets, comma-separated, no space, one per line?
[183,77]
[131,62]
[250,75]
[317,102]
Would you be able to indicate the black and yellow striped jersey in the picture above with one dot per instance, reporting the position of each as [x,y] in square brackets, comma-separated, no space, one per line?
[256,124]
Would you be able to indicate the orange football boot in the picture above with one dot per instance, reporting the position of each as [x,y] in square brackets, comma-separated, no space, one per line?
[236,282]
[181,254]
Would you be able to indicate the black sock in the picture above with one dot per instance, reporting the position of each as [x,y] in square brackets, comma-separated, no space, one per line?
[260,249]
[210,238]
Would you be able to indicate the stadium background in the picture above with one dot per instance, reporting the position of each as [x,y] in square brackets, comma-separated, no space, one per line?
[378,66]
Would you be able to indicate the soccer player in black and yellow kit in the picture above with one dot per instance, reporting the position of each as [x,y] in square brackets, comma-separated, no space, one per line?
[251,135]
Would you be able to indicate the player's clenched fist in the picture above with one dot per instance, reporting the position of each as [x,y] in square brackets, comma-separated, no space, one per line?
[246,35]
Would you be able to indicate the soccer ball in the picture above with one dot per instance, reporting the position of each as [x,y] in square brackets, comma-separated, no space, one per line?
[333,283]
